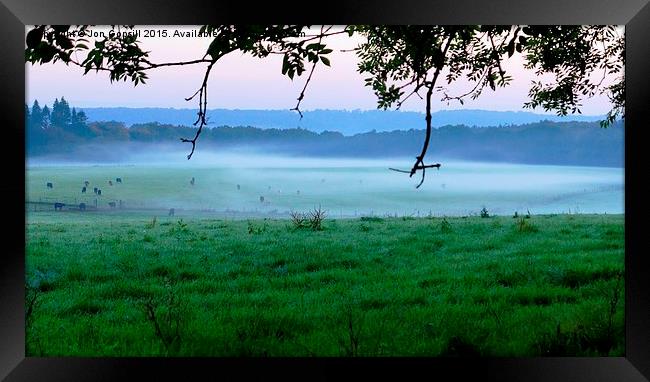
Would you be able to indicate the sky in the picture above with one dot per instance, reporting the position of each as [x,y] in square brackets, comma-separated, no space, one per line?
[241,81]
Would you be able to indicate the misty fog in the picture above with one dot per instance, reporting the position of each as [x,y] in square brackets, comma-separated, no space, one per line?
[236,181]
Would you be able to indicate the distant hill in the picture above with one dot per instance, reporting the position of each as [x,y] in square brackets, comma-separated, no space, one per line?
[346,122]
[557,143]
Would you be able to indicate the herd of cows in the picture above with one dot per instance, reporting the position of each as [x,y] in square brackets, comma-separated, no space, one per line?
[58,206]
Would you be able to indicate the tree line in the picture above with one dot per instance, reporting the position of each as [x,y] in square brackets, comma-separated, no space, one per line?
[62,129]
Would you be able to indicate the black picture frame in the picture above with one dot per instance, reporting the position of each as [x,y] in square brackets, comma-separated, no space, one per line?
[16,14]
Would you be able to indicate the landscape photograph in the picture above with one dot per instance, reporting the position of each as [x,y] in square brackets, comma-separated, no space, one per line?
[325,191]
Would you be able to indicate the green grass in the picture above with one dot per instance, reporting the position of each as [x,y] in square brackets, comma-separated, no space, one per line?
[122,285]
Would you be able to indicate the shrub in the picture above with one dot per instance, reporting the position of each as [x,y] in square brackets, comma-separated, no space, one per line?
[298,219]
[316,218]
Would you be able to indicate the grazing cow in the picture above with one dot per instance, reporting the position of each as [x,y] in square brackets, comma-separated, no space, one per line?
[95,190]
[49,185]
[261,199]
[83,190]
[171,212]
[238,187]
[118,180]
[111,204]
[110,182]
[82,206]
[192,181]
[99,192]
[58,206]
[86,183]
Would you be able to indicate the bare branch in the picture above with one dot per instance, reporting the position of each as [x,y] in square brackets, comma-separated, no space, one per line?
[302,93]
[203,108]
[419,163]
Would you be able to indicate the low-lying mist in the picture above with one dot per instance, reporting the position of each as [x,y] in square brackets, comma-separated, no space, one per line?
[258,181]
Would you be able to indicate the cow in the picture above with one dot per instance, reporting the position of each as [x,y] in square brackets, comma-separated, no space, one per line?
[238,187]
[192,181]
[99,192]
[261,199]
[49,185]
[298,192]
[83,190]
[171,212]
[111,204]
[82,206]
[110,182]
[86,183]
[118,180]
[58,206]
[95,190]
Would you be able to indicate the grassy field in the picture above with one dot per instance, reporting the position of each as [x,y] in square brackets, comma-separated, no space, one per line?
[458,189]
[126,285]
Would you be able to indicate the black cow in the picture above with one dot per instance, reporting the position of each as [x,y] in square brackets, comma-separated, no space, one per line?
[95,190]
[99,192]
[83,190]
[110,182]
[82,206]
[49,185]
[261,199]
[238,187]
[171,212]
[192,181]
[58,206]
[112,204]
[86,183]
[118,180]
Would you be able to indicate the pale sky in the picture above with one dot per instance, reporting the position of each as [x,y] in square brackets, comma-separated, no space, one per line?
[243,82]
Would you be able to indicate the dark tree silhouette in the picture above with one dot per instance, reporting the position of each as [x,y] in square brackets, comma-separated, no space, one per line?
[399,61]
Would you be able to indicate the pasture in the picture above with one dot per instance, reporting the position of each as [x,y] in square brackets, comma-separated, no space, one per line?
[345,188]
[125,284]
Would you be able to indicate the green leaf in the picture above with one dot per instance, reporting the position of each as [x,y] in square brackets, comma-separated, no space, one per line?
[325,60]
[215,49]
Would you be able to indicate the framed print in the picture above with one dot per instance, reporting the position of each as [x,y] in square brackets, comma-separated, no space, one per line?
[385,191]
